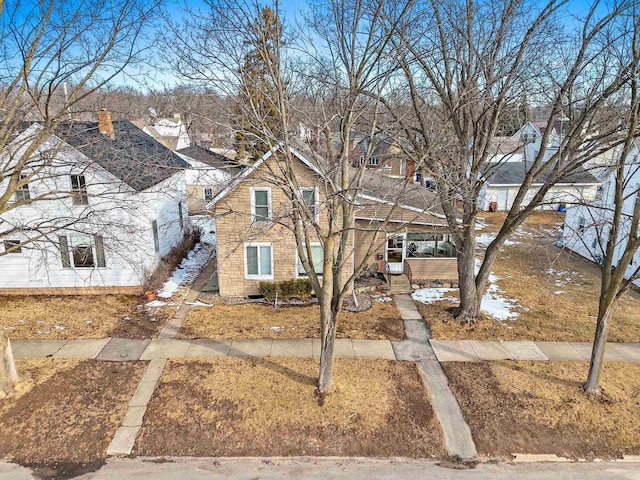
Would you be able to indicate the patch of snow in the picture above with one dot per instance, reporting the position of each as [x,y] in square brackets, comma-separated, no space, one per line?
[59,327]
[156,303]
[384,299]
[484,239]
[430,295]
[208,226]
[187,271]
[559,292]
[277,329]
[198,303]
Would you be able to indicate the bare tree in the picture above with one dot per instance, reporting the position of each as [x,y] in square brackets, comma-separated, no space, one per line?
[328,83]
[54,55]
[464,63]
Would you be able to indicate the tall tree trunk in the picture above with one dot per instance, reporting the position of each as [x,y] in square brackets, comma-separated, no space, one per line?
[592,386]
[328,319]
[8,373]
[470,296]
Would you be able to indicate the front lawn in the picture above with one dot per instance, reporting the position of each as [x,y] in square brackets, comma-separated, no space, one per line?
[555,296]
[65,411]
[540,408]
[267,407]
[82,316]
[380,322]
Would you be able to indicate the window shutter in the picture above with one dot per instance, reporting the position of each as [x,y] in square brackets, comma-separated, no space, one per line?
[100,251]
[64,251]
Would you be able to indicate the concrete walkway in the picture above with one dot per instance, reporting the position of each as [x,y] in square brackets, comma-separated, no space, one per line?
[477,350]
[416,348]
[125,349]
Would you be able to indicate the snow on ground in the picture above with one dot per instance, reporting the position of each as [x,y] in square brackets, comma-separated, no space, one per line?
[493,301]
[156,303]
[484,239]
[187,271]
[208,226]
[563,277]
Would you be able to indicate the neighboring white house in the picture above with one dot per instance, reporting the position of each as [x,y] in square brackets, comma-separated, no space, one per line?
[512,158]
[171,132]
[110,202]
[208,173]
[587,227]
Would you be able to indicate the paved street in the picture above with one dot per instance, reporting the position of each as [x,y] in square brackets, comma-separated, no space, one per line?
[352,469]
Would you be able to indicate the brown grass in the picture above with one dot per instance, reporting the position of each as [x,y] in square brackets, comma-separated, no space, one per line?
[539,407]
[569,316]
[86,316]
[265,407]
[66,411]
[382,321]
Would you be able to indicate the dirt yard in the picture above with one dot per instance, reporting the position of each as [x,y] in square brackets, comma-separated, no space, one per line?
[87,316]
[267,407]
[539,408]
[65,412]
[556,293]
[381,322]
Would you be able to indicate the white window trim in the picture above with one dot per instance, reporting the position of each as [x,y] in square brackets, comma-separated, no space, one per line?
[299,263]
[253,204]
[73,192]
[373,162]
[246,268]
[316,192]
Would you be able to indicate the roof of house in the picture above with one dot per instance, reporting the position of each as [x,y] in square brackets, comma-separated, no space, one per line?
[373,188]
[513,173]
[132,156]
[210,158]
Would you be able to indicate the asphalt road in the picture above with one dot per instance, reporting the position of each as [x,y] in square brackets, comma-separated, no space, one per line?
[352,469]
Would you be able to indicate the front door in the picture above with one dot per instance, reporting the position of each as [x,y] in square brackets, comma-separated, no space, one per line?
[396,252]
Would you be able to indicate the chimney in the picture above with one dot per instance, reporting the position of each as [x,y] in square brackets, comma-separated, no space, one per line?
[105,126]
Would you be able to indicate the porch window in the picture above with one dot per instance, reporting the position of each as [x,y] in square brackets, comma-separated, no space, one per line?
[258,261]
[429,245]
[317,259]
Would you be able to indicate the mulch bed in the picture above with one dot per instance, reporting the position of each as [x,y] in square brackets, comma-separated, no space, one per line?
[65,412]
[540,408]
[268,407]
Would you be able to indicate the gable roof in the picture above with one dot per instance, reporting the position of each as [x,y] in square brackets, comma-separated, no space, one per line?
[132,156]
[513,173]
[210,158]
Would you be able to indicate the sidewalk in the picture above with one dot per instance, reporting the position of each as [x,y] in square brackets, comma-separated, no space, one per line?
[126,350]
[478,350]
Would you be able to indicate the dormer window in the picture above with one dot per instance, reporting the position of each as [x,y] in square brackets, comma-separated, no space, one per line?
[79,190]
[260,204]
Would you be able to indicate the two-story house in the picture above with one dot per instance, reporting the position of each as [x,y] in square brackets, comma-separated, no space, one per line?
[255,243]
[100,204]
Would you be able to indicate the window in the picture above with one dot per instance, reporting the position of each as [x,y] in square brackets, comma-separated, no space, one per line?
[361,160]
[317,259]
[180,214]
[310,198]
[9,244]
[156,239]
[79,190]
[373,161]
[403,166]
[83,251]
[258,261]
[208,193]
[429,245]
[594,243]
[582,223]
[260,204]
[22,192]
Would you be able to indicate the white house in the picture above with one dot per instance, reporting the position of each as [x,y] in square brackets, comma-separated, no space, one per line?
[103,203]
[171,132]
[513,157]
[208,173]
[587,227]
